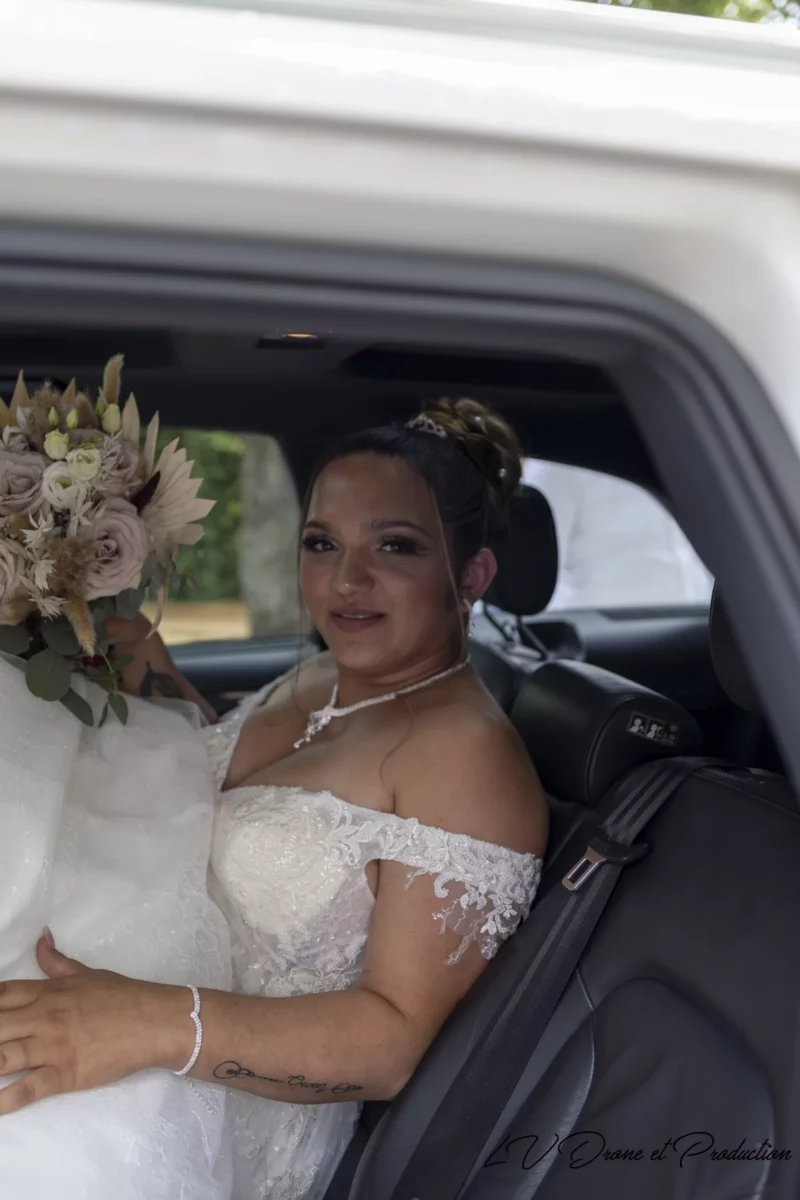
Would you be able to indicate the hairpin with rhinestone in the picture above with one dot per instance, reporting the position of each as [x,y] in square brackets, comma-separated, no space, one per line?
[425,425]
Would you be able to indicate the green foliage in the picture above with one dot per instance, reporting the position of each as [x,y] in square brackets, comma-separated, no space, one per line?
[734,10]
[14,639]
[48,675]
[209,570]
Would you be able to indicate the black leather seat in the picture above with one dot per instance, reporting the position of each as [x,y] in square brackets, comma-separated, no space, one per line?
[582,726]
[675,1047]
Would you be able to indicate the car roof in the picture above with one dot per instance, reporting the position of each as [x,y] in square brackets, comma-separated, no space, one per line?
[564,73]
[501,131]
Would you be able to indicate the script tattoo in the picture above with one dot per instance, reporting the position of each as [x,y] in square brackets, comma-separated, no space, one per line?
[234,1070]
[157,683]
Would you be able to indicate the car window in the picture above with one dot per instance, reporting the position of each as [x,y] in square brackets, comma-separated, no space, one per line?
[240,580]
[619,547]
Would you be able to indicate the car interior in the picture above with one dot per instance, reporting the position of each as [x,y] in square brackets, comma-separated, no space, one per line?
[682,1016]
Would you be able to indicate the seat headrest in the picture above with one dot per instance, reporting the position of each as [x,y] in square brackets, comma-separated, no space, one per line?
[733,676]
[527,557]
[589,727]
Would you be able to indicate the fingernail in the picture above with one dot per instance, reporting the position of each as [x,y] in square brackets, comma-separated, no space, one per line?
[48,937]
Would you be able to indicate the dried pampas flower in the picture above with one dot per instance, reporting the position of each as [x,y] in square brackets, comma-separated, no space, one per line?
[80,618]
[16,610]
[111,380]
[19,523]
[71,558]
[85,410]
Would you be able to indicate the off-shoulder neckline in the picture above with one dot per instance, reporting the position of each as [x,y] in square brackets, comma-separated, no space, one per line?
[375,813]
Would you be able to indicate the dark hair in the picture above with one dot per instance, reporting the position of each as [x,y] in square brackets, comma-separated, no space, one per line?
[472,472]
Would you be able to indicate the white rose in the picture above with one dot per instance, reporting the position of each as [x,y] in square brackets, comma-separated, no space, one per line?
[60,489]
[84,463]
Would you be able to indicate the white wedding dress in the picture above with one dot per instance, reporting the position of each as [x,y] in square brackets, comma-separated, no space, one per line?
[105,835]
[287,869]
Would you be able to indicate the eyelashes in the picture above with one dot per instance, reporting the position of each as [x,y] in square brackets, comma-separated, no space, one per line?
[317,543]
[398,545]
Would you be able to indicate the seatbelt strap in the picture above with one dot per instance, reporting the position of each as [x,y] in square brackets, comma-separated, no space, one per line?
[457,1138]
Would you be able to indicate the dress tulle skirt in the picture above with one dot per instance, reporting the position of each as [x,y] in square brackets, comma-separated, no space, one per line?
[105,836]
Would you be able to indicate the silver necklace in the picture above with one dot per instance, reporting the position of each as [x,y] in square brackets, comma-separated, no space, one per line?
[318,720]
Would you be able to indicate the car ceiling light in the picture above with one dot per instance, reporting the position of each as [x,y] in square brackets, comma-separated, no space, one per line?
[293,339]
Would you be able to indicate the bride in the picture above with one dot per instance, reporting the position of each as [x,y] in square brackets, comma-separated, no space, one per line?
[378,832]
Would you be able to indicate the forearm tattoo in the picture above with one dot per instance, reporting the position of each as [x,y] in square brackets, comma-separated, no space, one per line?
[234,1070]
[159,683]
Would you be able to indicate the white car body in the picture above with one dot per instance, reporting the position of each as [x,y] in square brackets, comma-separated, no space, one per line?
[665,149]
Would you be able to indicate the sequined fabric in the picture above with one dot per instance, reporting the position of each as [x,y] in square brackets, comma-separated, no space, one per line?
[287,869]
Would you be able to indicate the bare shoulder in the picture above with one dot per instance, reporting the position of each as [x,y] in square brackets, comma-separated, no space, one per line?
[309,676]
[464,768]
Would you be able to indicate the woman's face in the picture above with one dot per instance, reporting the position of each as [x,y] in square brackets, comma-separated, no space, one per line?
[373,570]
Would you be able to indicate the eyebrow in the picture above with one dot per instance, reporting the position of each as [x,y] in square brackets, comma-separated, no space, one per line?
[375,526]
[378,526]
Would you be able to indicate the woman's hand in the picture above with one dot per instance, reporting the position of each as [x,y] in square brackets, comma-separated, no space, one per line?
[150,656]
[152,671]
[82,1028]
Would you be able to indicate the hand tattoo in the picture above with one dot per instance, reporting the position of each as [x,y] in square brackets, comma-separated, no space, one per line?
[234,1070]
[159,683]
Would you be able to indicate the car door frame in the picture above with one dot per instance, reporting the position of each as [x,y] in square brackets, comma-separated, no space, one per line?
[722,452]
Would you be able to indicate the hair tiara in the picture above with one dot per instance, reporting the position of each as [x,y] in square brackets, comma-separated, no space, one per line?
[425,424]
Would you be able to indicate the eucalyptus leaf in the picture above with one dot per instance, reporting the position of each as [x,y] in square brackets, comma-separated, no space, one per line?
[48,675]
[100,616]
[119,707]
[60,636]
[150,564]
[122,662]
[103,716]
[102,608]
[129,602]
[14,639]
[103,679]
[78,707]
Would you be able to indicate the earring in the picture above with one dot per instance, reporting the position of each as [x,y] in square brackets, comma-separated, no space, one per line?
[470,618]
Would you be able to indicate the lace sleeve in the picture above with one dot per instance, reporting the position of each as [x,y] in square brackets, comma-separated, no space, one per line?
[485,889]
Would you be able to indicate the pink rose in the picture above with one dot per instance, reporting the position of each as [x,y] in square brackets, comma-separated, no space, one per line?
[20,481]
[121,476]
[120,546]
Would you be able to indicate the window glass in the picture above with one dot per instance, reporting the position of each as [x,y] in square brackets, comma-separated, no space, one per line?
[240,580]
[618,546]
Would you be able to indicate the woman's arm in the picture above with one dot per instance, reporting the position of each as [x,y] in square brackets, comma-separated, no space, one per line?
[83,1028]
[152,672]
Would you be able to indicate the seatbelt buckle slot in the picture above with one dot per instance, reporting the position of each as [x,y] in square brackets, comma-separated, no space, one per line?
[602,849]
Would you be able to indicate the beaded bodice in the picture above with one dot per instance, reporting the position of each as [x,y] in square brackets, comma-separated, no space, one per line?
[288,867]
[288,871]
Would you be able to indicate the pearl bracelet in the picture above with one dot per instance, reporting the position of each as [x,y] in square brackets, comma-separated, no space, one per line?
[198,1028]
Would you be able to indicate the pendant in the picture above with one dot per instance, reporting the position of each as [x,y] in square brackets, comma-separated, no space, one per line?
[317,721]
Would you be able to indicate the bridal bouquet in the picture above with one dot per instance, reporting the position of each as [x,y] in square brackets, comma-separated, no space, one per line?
[90,523]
